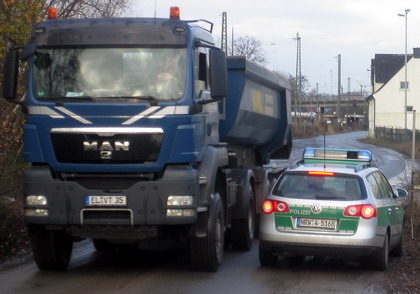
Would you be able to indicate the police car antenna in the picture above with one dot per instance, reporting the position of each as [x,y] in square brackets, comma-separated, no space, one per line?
[325,130]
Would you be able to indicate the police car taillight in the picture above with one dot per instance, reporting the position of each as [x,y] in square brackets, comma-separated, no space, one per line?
[270,206]
[366,211]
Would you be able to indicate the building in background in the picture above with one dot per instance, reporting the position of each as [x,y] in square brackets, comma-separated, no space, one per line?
[387,102]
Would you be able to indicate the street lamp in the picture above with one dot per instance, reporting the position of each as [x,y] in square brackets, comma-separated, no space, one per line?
[405,68]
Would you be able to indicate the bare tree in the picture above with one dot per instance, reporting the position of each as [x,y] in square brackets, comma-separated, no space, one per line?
[89,8]
[292,80]
[251,48]
[17,18]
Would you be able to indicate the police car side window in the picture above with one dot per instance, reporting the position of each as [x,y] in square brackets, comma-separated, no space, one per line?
[383,186]
[374,186]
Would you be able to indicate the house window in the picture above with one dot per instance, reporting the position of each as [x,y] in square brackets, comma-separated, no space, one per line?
[404,85]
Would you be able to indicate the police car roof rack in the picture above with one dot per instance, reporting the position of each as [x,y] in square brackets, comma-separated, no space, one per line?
[364,165]
[297,163]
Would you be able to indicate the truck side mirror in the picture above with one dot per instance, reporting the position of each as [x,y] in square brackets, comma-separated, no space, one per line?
[218,73]
[11,72]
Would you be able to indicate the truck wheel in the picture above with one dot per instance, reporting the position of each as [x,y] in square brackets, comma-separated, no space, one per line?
[266,257]
[206,253]
[243,230]
[51,249]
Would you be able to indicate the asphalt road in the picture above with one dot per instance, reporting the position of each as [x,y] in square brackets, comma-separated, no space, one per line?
[165,269]
[394,165]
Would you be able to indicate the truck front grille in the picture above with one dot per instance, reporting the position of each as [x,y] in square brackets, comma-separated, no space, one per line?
[105,146]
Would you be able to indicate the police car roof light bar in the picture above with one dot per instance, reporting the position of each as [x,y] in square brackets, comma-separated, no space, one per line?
[337,154]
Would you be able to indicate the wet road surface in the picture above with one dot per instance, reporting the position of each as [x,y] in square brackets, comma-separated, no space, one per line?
[165,268]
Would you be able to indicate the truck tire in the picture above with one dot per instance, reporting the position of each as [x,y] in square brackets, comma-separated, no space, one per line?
[51,249]
[206,253]
[243,230]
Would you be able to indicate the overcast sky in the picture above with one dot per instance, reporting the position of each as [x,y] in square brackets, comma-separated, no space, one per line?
[356,29]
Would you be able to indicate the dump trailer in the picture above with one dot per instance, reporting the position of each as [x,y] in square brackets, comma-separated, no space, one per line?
[141,129]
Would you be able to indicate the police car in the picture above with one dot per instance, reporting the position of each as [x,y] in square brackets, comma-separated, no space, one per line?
[332,202]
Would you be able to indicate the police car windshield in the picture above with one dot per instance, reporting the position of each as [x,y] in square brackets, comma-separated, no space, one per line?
[110,73]
[304,186]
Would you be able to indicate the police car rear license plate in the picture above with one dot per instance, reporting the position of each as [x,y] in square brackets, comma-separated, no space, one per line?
[317,223]
[106,200]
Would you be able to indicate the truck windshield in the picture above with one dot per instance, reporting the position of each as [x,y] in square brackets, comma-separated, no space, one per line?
[87,74]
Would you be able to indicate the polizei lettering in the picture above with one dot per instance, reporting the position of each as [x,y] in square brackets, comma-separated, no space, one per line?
[300,211]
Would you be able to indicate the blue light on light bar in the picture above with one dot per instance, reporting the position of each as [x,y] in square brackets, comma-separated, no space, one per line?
[337,154]
[309,152]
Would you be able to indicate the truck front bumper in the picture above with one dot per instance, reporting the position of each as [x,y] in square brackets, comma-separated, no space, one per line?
[146,202]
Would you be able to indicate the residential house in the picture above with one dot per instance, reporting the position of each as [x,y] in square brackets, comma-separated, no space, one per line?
[387,103]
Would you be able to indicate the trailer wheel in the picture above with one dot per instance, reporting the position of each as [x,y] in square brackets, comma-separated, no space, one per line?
[243,230]
[206,253]
[51,249]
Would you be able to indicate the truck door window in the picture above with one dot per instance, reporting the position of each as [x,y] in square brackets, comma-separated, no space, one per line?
[201,72]
[110,73]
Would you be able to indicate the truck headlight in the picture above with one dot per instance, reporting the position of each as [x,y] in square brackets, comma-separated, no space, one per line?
[185,200]
[36,200]
[36,212]
[180,212]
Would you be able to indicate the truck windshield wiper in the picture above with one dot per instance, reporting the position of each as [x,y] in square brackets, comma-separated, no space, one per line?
[153,100]
[70,99]
[85,98]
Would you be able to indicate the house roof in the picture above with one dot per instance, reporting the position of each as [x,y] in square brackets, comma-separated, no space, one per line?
[385,66]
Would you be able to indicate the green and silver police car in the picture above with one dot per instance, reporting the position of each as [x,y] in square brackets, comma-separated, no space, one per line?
[332,202]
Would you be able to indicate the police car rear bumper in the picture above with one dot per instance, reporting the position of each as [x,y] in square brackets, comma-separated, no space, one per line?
[284,248]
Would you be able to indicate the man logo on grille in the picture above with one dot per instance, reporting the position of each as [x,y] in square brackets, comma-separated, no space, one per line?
[316,208]
[106,147]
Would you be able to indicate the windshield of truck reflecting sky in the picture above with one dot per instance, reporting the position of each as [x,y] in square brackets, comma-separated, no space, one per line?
[110,73]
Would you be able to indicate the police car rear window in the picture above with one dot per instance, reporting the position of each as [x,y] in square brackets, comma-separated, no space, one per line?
[331,187]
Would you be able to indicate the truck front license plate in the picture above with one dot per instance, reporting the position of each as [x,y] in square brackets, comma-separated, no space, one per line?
[106,200]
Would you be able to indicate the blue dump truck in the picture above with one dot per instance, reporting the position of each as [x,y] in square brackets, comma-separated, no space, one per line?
[140,129]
